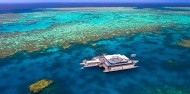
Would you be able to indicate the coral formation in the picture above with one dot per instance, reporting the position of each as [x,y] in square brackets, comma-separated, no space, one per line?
[40,85]
[93,44]
[185,43]
[63,27]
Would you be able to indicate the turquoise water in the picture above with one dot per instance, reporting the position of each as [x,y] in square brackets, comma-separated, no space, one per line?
[45,28]
[155,50]
[105,18]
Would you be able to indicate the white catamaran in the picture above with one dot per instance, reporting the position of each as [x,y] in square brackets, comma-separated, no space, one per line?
[111,63]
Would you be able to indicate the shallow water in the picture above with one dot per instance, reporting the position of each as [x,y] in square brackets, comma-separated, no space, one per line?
[45,28]
[155,74]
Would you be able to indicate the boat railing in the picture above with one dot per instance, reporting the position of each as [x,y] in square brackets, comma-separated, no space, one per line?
[135,61]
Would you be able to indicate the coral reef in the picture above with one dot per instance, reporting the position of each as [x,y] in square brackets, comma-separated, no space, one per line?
[40,85]
[185,43]
[61,28]
[93,44]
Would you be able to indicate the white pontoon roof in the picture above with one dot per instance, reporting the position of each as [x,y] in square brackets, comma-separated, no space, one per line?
[93,61]
[116,59]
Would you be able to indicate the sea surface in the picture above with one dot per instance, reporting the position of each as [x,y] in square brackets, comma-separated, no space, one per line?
[70,35]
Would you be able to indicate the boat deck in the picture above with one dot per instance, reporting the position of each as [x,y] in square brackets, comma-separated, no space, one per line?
[111,62]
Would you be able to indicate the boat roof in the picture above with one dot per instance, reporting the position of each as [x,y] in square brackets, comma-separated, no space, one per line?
[93,61]
[116,60]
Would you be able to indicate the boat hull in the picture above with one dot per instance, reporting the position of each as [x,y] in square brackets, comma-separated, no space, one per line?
[121,68]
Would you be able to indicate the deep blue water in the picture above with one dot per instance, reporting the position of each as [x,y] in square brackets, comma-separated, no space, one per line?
[62,65]
[30,7]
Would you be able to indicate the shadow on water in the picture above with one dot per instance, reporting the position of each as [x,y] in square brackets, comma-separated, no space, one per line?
[4,88]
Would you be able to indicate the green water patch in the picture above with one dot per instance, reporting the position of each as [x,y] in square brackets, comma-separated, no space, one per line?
[167,90]
[174,65]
